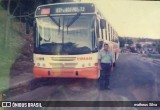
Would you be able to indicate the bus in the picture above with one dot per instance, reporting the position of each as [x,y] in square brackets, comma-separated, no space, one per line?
[67,39]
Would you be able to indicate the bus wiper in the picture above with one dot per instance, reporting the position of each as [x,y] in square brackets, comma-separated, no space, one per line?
[58,24]
[73,20]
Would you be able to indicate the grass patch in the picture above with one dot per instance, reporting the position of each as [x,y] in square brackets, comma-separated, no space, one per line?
[10,44]
[155,56]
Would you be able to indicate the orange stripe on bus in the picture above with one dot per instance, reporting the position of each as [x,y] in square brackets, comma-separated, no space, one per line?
[90,73]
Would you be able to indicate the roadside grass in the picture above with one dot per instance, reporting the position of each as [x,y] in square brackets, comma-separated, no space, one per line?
[10,45]
[154,56]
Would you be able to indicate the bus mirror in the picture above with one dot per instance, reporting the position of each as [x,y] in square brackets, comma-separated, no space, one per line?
[100,44]
[95,50]
[27,28]
[103,23]
[34,34]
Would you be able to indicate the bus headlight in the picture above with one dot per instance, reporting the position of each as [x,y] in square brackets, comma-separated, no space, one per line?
[44,65]
[95,64]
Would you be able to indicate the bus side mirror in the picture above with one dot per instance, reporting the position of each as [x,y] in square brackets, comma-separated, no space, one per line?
[100,45]
[27,28]
[103,23]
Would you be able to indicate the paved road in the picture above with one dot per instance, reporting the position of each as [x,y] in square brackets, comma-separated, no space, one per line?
[135,78]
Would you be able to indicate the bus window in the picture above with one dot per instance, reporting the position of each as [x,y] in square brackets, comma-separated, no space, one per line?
[103,23]
[109,32]
[106,32]
[103,27]
[102,33]
[111,35]
[116,40]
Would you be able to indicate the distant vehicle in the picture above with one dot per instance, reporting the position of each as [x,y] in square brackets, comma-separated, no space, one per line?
[68,37]
[133,50]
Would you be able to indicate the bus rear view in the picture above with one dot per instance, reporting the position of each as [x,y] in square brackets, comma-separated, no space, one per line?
[65,41]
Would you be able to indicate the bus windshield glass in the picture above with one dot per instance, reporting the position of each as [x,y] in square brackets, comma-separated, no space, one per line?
[68,35]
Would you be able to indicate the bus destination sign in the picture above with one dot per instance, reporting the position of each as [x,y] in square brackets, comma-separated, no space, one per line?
[70,9]
[66,9]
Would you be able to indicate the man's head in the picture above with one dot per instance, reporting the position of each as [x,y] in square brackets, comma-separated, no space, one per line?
[106,47]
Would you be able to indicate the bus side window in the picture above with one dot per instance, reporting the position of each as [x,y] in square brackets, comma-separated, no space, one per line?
[102,33]
[103,27]
[111,34]
[116,40]
[108,32]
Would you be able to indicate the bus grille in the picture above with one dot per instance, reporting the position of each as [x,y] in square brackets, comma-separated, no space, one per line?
[63,65]
[63,58]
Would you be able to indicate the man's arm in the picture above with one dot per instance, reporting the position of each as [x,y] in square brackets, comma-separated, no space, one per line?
[111,62]
[99,61]
[99,64]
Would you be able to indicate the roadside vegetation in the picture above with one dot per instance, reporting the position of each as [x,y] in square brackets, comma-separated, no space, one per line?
[158,46]
[155,56]
[10,44]
[15,45]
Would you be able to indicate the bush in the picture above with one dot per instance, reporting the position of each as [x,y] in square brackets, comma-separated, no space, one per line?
[158,48]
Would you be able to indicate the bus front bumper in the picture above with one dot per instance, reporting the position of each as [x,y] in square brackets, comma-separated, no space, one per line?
[90,73]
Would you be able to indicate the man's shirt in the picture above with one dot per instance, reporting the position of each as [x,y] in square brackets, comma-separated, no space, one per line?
[105,57]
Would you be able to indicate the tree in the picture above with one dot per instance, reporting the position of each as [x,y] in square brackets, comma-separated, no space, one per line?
[158,46]
[8,20]
[158,49]
[122,41]
[130,42]
[154,44]
[139,46]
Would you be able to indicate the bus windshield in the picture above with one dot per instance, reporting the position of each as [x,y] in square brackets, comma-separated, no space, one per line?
[68,35]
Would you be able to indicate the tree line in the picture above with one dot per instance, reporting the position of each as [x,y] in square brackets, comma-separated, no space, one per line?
[21,9]
[129,41]
[24,10]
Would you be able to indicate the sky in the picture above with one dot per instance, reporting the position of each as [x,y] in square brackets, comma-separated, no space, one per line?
[130,18]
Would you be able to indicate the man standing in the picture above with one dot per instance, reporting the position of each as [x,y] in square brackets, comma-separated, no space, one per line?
[105,64]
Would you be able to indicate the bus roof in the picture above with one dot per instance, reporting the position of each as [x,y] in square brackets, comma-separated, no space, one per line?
[65,8]
[68,8]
